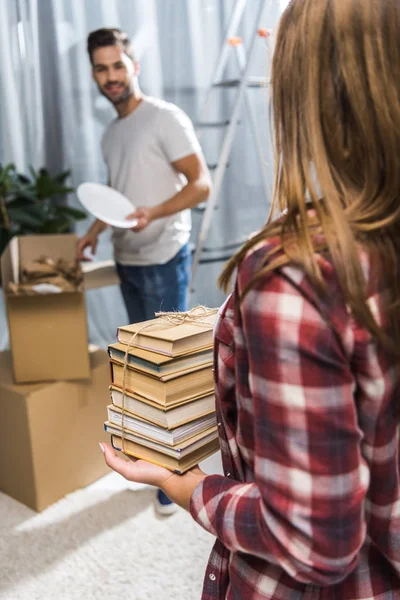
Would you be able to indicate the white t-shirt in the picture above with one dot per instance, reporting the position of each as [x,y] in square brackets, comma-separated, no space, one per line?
[138,150]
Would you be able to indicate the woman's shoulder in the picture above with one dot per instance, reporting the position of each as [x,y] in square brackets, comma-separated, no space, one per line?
[262,256]
[266,269]
[268,255]
[275,279]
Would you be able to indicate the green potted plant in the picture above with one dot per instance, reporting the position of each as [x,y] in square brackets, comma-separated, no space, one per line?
[34,203]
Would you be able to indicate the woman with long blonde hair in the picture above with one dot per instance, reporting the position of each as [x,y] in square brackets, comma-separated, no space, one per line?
[307,346]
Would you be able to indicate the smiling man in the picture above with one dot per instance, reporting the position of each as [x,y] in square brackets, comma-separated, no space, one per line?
[153,158]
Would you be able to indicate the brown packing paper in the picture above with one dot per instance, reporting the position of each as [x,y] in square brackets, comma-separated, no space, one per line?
[66,275]
[27,289]
[36,269]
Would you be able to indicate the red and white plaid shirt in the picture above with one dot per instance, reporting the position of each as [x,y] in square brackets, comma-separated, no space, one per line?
[309,506]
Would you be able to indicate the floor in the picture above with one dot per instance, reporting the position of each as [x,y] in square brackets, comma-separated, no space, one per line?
[103,542]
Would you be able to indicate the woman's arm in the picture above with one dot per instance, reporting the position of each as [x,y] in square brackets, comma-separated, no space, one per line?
[304,510]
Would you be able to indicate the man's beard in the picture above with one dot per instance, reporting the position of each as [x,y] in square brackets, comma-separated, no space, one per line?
[126,93]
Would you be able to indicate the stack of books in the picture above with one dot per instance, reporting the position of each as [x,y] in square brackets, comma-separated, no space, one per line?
[162,392]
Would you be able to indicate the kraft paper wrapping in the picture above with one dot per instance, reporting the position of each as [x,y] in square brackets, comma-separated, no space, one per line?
[64,275]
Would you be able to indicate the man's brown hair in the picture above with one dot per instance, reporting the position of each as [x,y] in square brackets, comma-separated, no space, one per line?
[101,38]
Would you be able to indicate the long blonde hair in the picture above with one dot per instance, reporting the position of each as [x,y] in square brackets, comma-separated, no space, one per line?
[336,116]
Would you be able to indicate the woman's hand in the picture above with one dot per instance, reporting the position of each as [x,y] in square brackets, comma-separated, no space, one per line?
[179,488]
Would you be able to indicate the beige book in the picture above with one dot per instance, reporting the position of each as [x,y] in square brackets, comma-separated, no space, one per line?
[173,436]
[164,390]
[172,340]
[170,449]
[179,463]
[167,418]
[159,364]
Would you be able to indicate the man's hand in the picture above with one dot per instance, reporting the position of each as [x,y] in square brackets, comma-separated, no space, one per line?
[87,241]
[144,217]
[179,488]
[197,189]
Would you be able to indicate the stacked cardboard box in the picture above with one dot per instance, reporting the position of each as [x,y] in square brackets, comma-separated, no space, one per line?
[52,387]
[162,391]
[50,433]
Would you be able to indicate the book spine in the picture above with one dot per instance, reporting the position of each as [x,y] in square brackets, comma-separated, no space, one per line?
[113,441]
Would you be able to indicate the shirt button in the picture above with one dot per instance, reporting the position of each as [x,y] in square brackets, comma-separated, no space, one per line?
[212,577]
[219,424]
[229,474]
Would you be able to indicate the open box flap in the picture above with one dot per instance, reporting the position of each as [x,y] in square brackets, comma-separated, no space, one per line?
[10,263]
[99,274]
[32,247]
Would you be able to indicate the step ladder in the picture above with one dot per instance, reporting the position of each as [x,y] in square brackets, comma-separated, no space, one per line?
[232,43]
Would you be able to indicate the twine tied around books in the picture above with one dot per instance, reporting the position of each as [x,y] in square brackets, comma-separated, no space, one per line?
[194,316]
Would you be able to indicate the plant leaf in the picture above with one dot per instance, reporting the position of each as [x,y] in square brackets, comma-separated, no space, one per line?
[25,191]
[21,202]
[69,211]
[5,237]
[33,173]
[30,216]
[23,179]
[61,178]
[61,225]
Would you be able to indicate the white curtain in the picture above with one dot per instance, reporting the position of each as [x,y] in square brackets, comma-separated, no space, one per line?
[22,121]
[51,113]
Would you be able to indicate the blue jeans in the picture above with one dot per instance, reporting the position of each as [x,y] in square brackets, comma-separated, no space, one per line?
[154,288]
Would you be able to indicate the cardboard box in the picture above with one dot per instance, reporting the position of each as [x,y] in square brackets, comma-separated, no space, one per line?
[50,433]
[48,333]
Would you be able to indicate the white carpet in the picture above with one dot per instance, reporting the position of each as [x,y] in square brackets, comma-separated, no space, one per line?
[103,542]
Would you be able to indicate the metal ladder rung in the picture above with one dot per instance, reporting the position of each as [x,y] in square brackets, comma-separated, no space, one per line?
[258,82]
[202,207]
[232,246]
[204,261]
[213,166]
[213,124]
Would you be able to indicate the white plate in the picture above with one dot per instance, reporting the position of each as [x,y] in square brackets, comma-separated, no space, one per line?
[106,204]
